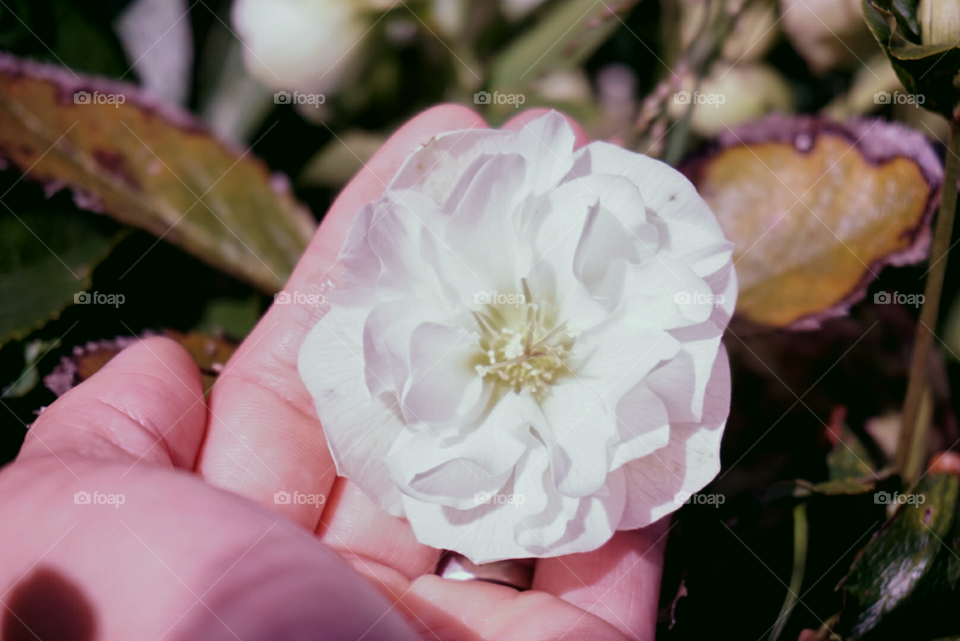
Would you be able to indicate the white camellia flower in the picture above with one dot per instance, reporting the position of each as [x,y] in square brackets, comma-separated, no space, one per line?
[525,355]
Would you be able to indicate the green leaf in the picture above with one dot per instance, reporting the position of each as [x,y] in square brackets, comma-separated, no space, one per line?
[926,70]
[907,559]
[341,159]
[46,258]
[29,377]
[77,35]
[565,37]
[85,45]
[230,316]
[151,166]
[13,29]
[848,459]
[801,489]
[846,487]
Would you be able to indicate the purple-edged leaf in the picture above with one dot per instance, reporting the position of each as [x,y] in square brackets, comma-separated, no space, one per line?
[816,209]
[152,166]
[210,353]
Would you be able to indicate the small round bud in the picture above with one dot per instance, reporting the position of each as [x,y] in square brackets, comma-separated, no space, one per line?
[939,21]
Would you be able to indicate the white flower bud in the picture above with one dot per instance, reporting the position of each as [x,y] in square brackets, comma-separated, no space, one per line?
[734,94]
[299,45]
[939,21]
[827,33]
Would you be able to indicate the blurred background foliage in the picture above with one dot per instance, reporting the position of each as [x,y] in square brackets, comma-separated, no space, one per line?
[808,389]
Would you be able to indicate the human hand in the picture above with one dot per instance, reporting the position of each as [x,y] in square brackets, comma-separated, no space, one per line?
[183,559]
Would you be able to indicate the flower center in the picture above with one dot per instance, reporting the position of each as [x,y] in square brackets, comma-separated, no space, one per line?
[522,348]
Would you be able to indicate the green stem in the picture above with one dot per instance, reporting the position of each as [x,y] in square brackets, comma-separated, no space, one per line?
[705,49]
[800,537]
[677,144]
[912,430]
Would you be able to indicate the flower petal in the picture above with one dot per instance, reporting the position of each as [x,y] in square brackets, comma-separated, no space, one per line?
[666,293]
[681,383]
[443,383]
[686,465]
[359,429]
[613,357]
[582,429]
[448,467]
[436,168]
[482,221]
[579,525]
[494,530]
[386,342]
[665,191]
[547,145]
[642,425]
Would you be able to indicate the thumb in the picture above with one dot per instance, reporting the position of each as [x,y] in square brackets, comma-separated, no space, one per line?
[146,405]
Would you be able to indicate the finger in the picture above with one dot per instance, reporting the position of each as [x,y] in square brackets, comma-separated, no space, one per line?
[519,121]
[169,557]
[264,436]
[620,582]
[478,610]
[355,526]
[145,405]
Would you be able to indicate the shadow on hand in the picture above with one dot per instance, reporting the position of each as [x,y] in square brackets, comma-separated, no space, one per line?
[48,607]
